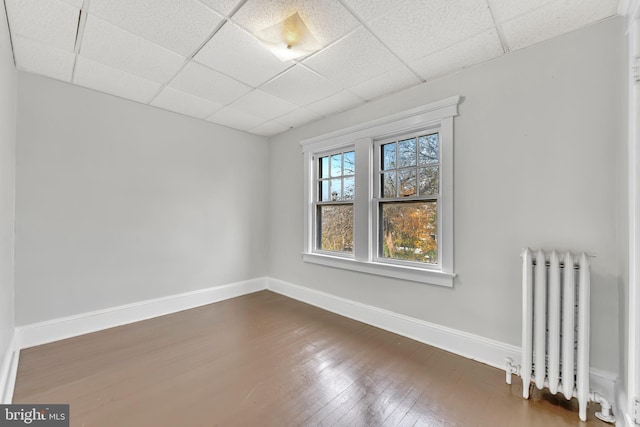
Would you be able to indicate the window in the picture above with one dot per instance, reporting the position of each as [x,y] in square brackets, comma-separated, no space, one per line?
[334,205]
[379,196]
[407,198]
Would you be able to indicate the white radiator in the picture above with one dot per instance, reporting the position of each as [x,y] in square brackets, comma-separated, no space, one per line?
[555,328]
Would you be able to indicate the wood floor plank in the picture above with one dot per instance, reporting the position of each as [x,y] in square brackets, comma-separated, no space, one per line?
[266,360]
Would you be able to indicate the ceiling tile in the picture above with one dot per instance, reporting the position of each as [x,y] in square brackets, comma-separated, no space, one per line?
[224,7]
[201,81]
[268,129]
[297,118]
[51,22]
[300,86]
[418,28]
[554,19]
[473,51]
[261,104]
[367,10]
[503,10]
[235,119]
[183,103]
[389,82]
[353,60]
[341,101]
[102,78]
[237,53]
[327,20]
[110,45]
[181,26]
[42,59]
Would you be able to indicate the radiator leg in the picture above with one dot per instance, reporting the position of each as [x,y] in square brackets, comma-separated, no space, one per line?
[582,411]
[605,414]
[511,369]
[526,389]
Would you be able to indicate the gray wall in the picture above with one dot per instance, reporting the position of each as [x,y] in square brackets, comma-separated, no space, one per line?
[118,202]
[8,87]
[535,165]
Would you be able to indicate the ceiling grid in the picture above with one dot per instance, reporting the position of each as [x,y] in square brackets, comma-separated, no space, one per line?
[205,59]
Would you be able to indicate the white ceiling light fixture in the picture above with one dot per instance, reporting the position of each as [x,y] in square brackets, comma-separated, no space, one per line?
[289,39]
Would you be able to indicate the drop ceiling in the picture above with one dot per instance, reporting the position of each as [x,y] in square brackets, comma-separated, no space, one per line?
[201,58]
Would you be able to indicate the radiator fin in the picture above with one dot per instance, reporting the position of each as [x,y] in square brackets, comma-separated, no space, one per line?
[553,332]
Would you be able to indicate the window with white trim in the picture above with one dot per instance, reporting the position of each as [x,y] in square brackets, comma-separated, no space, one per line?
[379,196]
[407,193]
[334,201]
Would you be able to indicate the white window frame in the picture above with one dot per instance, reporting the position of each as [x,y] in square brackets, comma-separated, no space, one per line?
[436,116]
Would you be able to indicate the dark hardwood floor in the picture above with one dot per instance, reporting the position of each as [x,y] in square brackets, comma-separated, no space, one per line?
[266,360]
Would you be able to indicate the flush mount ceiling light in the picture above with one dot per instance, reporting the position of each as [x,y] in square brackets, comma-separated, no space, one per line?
[289,39]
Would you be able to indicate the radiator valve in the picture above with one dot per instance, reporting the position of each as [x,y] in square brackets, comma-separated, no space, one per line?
[605,414]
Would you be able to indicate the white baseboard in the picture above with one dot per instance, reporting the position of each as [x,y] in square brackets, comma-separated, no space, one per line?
[8,371]
[67,327]
[475,347]
[604,383]
[471,346]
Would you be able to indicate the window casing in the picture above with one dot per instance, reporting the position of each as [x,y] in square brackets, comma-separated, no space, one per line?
[397,189]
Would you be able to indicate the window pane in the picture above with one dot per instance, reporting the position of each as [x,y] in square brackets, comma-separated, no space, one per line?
[407,183]
[336,165]
[409,231]
[325,194]
[389,184]
[335,226]
[324,167]
[407,152]
[336,189]
[429,182]
[428,151]
[349,163]
[349,187]
[389,156]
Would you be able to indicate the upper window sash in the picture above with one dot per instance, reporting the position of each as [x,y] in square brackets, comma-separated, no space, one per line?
[379,169]
[328,174]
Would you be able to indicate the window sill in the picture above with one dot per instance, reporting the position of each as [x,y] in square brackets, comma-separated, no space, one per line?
[396,271]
